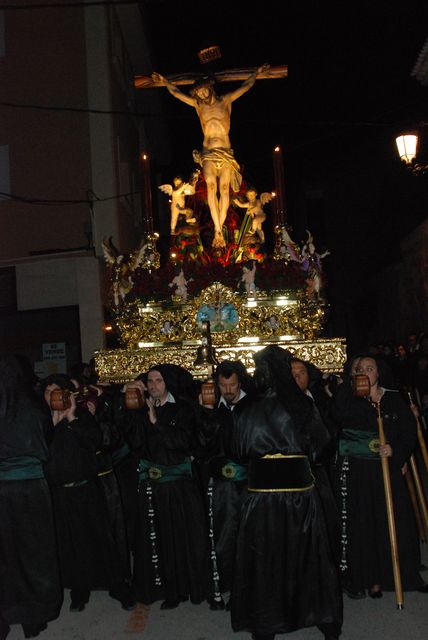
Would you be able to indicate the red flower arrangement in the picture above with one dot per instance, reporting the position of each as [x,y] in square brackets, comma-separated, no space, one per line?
[202,266]
[271,275]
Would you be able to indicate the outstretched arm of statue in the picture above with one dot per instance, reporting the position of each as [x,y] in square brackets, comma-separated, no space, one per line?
[243,205]
[247,84]
[174,91]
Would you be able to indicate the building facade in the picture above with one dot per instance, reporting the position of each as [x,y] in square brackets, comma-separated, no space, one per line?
[71,131]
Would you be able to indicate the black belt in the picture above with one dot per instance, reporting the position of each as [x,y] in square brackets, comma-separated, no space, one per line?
[278,472]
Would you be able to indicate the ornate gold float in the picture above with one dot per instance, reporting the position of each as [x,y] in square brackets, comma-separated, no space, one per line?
[170,331]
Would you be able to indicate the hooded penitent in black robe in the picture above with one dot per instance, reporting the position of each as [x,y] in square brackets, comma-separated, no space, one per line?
[30,590]
[224,482]
[366,551]
[285,574]
[124,461]
[171,543]
[322,463]
[88,553]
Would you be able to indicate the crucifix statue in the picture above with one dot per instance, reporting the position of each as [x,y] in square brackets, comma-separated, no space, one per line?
[219,167]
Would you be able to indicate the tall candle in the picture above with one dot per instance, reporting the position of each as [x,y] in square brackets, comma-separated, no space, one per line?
[146,193]
[279,201]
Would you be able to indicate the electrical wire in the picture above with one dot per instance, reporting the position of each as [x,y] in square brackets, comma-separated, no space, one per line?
[65,5]
[48,202]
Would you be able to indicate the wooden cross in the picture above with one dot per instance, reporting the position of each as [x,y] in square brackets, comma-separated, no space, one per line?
[220,169]
[230,75]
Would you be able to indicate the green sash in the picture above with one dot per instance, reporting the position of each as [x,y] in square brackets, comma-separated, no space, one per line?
[359,444]
[233,471]
[119,454]
[21,468]
[155,472]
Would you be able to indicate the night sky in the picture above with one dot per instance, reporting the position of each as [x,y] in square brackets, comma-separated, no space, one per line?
[348,93]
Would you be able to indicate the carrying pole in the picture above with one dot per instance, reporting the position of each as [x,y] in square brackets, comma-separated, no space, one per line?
[419,490]
[390,515]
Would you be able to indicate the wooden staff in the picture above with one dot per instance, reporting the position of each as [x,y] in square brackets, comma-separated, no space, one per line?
[419,490]
[421,437]
[390,514]
[422,530]
[422,443]
[418,402]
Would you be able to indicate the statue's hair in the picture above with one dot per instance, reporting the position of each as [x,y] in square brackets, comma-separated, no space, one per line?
[206,81]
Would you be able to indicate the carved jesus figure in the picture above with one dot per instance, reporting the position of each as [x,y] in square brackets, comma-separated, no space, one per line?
[219,167]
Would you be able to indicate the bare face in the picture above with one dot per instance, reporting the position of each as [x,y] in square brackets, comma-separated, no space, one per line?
[368,367]
[300,375]
[401,350]
[156,386]
[48,391]
[204,93]
[230,388]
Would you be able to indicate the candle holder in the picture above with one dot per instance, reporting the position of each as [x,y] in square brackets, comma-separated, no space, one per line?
[279,202]
[151,258]
[146,194]
[280,249]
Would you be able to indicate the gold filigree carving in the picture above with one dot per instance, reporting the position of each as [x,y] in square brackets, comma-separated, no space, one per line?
[233,317]
[122,365]
[170,332]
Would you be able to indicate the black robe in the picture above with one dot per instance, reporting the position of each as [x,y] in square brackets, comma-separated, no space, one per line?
[111,441]
[171,559]
[215,428]
[30,589]
[285,576]
[88,553]
[366,551]
[110,415]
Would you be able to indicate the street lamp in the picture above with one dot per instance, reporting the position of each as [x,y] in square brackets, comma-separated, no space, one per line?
[407,145]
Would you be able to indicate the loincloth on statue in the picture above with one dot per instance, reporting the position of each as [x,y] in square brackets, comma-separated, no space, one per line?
[220,157]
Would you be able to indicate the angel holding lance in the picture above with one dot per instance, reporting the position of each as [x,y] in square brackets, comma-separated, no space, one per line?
[178,192]
[123,267]
[219,167]
[254,206]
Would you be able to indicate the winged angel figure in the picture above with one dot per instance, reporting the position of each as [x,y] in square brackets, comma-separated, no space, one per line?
[311,263]
[178,192]
[254,206]
[123,267]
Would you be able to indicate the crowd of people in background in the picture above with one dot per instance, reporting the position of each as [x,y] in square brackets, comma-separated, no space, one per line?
[408,362]
[260,494]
